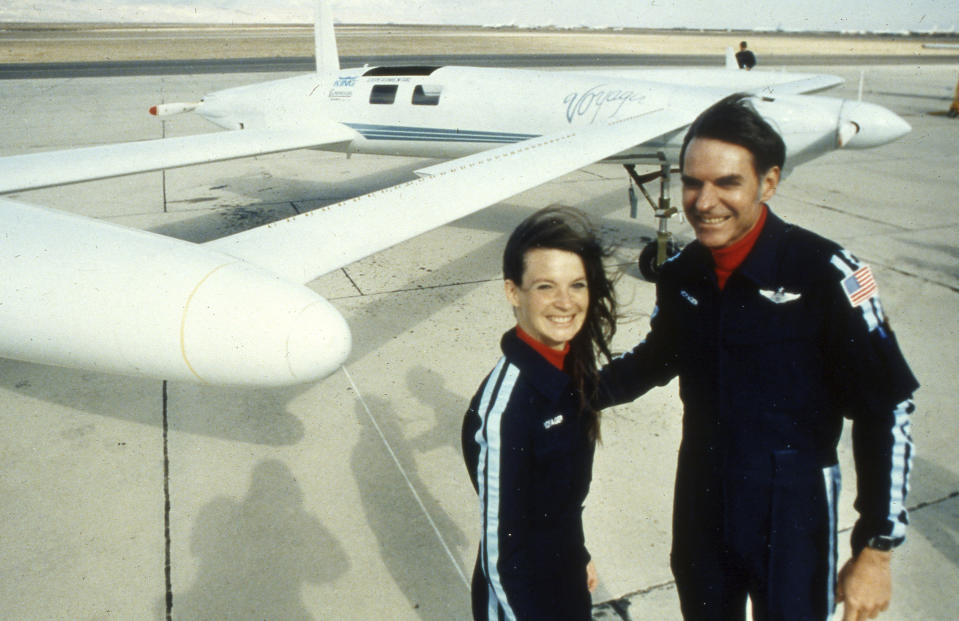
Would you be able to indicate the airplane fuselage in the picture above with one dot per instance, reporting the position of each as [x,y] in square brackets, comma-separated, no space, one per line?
[445,112]
[445,115]
[450,112]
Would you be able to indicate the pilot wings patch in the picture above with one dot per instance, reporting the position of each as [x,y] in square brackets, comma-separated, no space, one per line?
[779,296]
[860,286]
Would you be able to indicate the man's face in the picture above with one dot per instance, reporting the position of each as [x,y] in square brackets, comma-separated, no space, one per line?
[722,193]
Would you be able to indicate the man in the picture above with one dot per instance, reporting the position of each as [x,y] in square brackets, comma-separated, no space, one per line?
[776,334]
[745,58]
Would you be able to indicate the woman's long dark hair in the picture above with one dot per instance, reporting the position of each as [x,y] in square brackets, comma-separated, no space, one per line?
[565,228]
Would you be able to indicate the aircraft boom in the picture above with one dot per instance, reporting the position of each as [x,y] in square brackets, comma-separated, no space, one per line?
[83,293]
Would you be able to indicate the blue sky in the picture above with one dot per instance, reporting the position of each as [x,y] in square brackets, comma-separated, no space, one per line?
[789,15]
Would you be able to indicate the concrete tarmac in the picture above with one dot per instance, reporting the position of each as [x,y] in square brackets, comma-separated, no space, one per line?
[348,499]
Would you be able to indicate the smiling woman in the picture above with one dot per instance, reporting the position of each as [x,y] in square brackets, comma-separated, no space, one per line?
[550,302]
[530,431]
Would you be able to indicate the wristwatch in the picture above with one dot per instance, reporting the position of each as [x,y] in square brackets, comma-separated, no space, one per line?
[881,543]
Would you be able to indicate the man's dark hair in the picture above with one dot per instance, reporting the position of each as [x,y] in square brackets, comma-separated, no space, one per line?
[735,120]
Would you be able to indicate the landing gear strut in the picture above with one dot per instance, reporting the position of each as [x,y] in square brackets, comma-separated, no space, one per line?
[655,253]
[954,108]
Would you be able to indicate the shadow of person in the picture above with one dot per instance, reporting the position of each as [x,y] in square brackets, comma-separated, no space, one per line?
[256,553]
[410,548]
[429,388]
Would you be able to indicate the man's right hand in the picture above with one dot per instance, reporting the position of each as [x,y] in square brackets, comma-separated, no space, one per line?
[865,585]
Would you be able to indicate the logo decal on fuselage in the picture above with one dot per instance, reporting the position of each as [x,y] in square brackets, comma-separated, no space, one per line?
[600,98]
[342,88]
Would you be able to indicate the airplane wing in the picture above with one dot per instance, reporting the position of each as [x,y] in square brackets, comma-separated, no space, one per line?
[51,168]
[769,83]
[803,85]
[306,246]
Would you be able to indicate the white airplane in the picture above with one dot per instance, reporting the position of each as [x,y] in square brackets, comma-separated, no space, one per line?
[234,311]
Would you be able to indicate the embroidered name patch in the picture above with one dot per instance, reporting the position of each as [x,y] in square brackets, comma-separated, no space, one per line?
[689,298]
[553,421]
[860,286]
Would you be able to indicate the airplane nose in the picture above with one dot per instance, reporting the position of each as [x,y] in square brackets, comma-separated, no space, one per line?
[863,125]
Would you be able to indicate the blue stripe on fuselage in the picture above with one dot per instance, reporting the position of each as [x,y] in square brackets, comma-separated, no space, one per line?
[434,134]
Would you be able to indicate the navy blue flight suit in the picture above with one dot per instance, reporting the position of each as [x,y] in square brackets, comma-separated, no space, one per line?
[530,458]
[768,367]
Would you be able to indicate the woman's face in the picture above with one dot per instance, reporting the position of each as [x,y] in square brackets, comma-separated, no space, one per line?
[551,302]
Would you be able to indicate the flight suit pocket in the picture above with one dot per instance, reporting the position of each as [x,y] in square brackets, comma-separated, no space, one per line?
[799,537]
[763,322]
[778,347]
[554,448]
[555,435]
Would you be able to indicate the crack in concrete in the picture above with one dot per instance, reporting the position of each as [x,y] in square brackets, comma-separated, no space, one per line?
[618,608]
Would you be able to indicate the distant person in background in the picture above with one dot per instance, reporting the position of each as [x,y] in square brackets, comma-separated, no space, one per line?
[530,431]
[745,58]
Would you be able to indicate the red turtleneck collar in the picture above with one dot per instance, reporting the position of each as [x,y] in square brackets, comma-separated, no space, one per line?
[729,258]
[555,357]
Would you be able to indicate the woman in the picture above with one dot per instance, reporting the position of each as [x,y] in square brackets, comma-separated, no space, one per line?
[530,431]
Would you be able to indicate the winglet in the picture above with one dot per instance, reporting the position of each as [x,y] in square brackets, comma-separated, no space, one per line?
[731,62]
[327,56]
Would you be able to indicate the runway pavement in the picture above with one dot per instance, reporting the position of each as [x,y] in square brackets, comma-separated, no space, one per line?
[347,499]
[302,64]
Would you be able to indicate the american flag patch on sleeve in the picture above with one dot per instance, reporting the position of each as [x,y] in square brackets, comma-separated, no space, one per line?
[860,286]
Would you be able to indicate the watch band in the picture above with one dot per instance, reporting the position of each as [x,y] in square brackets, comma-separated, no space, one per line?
[882,543]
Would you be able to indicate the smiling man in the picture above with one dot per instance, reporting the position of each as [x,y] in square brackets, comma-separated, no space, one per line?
[776,334]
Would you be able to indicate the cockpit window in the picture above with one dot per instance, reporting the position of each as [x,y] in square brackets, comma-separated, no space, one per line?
[383,93]
[426,95]
[402,70]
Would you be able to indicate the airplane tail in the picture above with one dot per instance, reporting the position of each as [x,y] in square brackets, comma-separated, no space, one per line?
[327,56]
